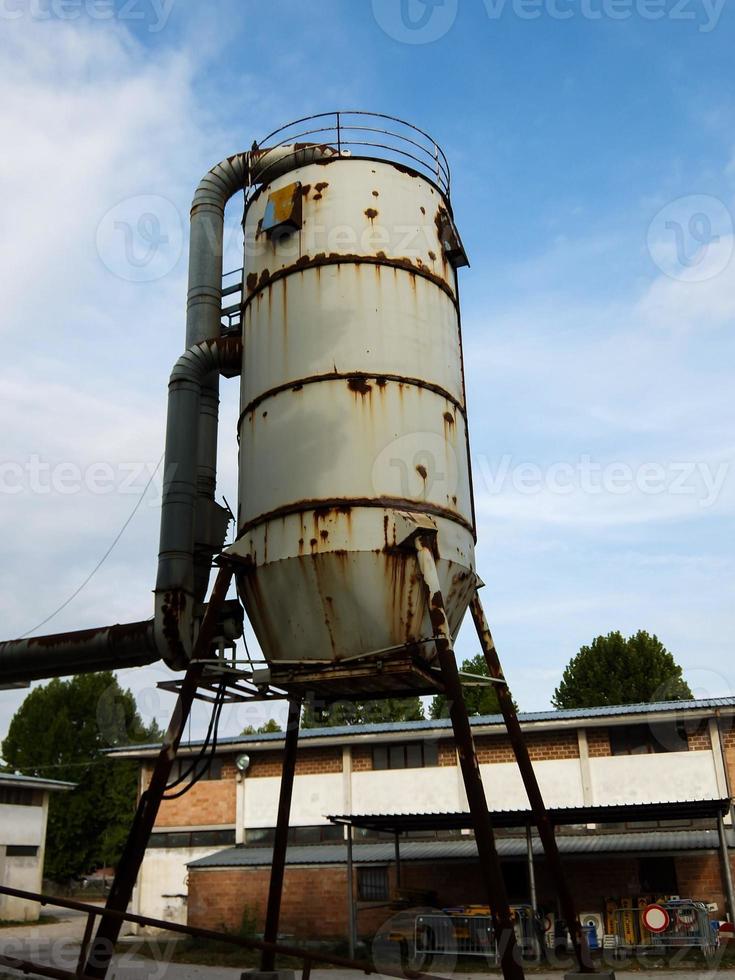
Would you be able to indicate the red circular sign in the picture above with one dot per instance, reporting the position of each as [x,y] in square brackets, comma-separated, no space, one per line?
[656,918]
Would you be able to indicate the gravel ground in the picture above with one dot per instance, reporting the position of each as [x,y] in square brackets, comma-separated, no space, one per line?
[57,944]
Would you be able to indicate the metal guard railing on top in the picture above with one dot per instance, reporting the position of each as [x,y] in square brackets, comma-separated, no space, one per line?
[365,134]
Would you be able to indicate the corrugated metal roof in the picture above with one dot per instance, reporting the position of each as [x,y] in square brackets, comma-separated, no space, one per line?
[599,813]
[33,782]
[508,847]
[479,721]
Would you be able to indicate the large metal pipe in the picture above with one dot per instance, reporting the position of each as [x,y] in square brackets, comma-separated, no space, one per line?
[203,322]
[176,596]
[204,312]
[81,652]
[193,525]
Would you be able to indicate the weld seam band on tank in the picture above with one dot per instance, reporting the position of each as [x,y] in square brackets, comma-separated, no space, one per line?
[349,376]
[350,503]
[322,261]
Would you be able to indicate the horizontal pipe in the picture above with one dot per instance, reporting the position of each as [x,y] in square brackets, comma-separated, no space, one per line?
[81,652]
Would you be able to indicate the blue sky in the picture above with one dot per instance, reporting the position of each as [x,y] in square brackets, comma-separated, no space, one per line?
[593,177]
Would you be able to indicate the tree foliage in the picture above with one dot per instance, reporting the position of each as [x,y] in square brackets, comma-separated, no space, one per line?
[269,726]
[479,699]
[362,712]
[60,732]
[614,669]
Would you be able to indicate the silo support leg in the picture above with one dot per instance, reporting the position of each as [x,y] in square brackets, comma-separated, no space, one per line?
[490,869]
[280,843]
[533,791]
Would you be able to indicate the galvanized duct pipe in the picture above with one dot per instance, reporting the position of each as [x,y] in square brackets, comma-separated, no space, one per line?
[183,578]
[176,597]
[204,313]
[203,322]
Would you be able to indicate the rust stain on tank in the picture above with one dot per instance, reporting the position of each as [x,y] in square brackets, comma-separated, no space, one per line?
[324,535]
[264,279]
[402,169]
[252,282]
[321,186]
[432,255]
[376,193]
[305,190]
[371,213]
[359,386]
[395,559]
[449,418]
[422,471]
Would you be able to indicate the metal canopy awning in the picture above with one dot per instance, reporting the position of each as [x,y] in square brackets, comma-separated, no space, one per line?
[400,823]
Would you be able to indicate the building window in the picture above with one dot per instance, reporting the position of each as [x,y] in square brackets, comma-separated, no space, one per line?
[409,755]
[204,769]
[372,884]
[645,740]
[20,796]
[21,851]
[193,838]
[313,834]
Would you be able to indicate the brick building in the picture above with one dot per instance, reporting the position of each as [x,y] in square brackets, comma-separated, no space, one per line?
[644,789]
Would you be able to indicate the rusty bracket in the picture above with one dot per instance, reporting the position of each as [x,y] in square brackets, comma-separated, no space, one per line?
[409,525]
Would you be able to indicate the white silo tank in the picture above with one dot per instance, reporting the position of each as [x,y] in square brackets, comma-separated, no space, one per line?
[353,417]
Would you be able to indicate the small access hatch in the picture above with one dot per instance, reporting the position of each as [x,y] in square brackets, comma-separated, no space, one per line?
[284,211]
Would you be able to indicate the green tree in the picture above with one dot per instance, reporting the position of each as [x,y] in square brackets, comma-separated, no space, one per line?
[481,699]
[270,726]
[362,712]
[614,669]
[60,732]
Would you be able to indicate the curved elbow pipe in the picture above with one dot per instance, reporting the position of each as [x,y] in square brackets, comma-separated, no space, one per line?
[204,301]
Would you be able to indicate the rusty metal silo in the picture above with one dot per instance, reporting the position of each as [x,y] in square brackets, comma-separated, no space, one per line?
[353,424]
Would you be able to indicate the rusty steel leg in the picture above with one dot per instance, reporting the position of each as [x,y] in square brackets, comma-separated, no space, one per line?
[490,869]
[98,961]
[533,791]
[280,844]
